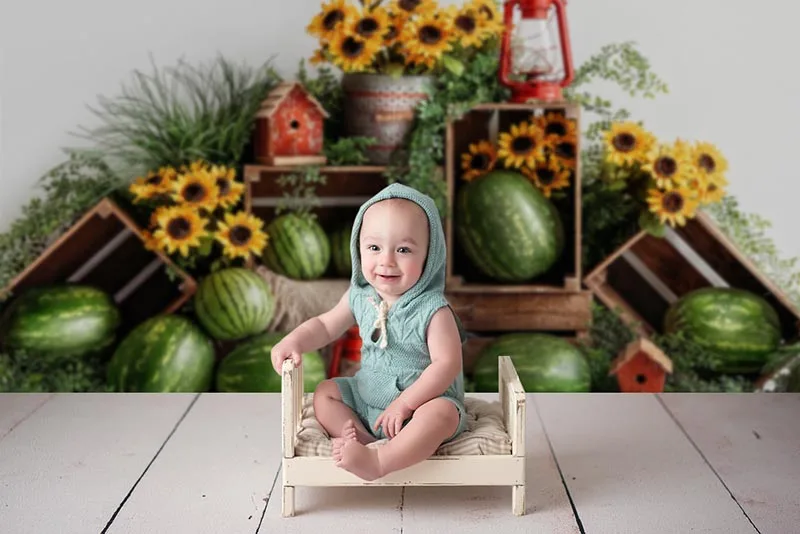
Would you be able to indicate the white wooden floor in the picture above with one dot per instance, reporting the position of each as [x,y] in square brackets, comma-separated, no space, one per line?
[597,463]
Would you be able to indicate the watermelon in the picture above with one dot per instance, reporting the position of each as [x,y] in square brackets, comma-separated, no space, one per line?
[544,363]
[166,353]
[248,367]
[64,319]
[234,303]
[740,327]
[340,250]
[507,228]
[298,247]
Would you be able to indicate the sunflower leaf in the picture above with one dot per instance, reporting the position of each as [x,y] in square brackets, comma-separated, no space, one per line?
[453,65]
[650,224]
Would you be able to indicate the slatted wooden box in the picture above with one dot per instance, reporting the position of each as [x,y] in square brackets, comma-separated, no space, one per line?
[646,274]
[105,249]
[483,122]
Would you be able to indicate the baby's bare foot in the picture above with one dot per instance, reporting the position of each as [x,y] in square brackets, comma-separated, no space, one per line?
[349,433]
[360,460]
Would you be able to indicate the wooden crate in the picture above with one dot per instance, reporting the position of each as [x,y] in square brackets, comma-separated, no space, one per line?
[105,249]
[646,274]
[483,122]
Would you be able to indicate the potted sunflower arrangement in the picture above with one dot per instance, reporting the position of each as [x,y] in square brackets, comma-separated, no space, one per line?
[671,181]
[390,53]
[193,215]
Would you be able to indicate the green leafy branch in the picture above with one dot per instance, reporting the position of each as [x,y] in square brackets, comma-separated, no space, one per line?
[299,195]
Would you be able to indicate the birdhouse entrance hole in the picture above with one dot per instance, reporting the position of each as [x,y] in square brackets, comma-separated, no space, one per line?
[641,379]
[295,124]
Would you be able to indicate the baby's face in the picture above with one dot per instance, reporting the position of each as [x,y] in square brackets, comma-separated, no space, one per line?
[393,244]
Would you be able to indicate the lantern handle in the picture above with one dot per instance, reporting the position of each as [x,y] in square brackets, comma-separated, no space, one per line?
[566,49]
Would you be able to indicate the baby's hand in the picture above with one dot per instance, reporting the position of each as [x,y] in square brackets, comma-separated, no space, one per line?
[393,417]
[283,351]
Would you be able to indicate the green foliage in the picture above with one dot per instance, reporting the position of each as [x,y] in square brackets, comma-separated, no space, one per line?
[327,89]
[182,114]
[69,189]
[299,191]
[22,372]
[348,150]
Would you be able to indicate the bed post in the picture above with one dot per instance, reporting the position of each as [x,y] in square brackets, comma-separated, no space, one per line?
[512,398]
[289,415]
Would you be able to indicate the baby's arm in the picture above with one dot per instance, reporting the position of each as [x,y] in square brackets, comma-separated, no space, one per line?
[444,345]
[314,333]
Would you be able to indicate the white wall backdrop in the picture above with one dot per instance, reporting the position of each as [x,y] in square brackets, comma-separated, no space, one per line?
[728,64]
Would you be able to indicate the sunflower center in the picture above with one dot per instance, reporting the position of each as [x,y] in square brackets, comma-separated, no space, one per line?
[624,142]
[409,5]
[154,180]
[556,128]
[430,35]
[465,23]
[178,228]
[565,150]
[546,176]
[367,27]
[479,162]
[352,47]
[665,166]
[706,163]
[240,235]
[391,33]
[332,19]
[672,202]
[194,193]
[224,186]
[712,188]
[522,145]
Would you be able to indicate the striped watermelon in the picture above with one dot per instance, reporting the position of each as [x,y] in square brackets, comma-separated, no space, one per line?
[298,247]
[739,326]
[248,367]
[507,228]
[167,353]
[340,250]
[66,320]
[234,303]
[544,363]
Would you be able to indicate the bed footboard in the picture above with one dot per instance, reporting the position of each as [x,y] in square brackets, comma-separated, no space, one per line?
[512,399]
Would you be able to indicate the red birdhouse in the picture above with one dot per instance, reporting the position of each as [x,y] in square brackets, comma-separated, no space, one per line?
[289,127]
[641,368]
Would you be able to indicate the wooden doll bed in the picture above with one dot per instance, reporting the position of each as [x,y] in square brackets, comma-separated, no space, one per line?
[491,452]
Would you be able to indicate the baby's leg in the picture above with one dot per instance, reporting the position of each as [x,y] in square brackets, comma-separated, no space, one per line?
[332,413]
[431,424]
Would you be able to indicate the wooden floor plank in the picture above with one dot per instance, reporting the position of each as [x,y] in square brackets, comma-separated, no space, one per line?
[216,472]
[68,467]
[629,467]
[16,407]
[478,509]
[752,441]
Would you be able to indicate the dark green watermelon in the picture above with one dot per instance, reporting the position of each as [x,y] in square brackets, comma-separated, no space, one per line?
[298,247]
[234,303]
[740,327]
[248,367]
[167,353]
[67,320]
[340,250]
[507,228]
[544,363]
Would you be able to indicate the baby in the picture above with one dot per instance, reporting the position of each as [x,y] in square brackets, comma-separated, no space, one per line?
[410,387]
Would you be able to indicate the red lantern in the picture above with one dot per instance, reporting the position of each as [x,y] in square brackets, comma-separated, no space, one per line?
[536,61]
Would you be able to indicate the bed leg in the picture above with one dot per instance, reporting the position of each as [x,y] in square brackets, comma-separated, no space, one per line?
[518,499]
[288,501]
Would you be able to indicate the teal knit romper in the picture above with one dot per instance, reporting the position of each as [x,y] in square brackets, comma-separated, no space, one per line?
[394,350]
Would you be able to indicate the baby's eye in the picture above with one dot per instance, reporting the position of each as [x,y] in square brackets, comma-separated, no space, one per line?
[373,248]
[404,250]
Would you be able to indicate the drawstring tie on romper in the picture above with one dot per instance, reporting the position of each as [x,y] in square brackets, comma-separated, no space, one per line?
[382,308]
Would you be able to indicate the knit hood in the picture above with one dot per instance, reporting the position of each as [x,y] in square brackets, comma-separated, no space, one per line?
[432,281]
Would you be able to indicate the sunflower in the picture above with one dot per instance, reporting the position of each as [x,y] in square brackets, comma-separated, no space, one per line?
[697,185]
[480,159]
[394,30]
[708,159]
[196,189]
[334,15]
[319,56]
[369,24]
[556,125]
[410,8]
[353,54]
[150,241]
[628,143]
[230,191]
[523,145]
[548,175]
[489,17]
[674,206]
[564,149]
[241,235]
[428,36]
[422,61]
[153,185]
[468,27]
[179,228]
[669,165]
[715,189]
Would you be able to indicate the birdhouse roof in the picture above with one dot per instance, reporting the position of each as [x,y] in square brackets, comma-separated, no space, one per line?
[275,97]
[645,346]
